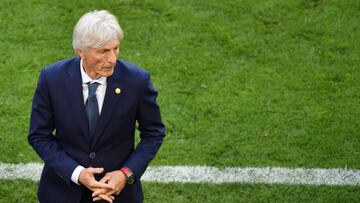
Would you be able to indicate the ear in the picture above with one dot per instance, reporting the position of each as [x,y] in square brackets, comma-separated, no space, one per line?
[81,53]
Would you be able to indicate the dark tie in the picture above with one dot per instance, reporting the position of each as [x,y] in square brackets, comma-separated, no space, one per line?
[92,108]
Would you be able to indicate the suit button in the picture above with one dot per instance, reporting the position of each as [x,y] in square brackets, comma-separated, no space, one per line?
[92,155]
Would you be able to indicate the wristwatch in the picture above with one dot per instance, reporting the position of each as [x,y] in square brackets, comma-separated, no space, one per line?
[130,178]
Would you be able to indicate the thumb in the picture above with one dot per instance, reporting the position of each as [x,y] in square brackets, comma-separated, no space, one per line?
[96,170]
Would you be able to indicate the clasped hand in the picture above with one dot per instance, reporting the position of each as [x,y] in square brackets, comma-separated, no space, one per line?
[111,184]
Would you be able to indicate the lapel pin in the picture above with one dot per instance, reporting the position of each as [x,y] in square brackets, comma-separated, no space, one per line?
[117,90]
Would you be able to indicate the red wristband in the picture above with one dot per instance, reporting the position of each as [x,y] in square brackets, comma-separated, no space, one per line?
[126,171]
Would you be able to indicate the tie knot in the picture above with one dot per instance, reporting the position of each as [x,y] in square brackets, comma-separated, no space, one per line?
[92,88]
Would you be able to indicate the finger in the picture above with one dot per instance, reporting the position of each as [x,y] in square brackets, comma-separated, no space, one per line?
[105,179]
[98,198]
[98,185]
[112,192]
[95,170]
[99,191]
[106,198]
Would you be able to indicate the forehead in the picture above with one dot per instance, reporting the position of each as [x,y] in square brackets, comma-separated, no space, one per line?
[111,44]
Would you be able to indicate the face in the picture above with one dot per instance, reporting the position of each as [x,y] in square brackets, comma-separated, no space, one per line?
[101,61]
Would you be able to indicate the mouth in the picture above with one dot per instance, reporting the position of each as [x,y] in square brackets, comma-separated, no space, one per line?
[108,67]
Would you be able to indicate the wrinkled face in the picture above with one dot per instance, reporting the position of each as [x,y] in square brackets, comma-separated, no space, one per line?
[101,61]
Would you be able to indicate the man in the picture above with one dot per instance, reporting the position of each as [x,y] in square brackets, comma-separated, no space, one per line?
[83,119]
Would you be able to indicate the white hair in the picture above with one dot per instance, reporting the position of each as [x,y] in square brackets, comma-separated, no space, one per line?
[94,29]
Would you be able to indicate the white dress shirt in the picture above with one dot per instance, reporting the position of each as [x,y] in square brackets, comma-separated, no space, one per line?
[100,95]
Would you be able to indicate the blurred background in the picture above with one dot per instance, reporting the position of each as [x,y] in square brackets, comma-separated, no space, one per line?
[269,83]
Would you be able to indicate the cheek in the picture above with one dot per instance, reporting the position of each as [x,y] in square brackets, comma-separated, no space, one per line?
[99,63]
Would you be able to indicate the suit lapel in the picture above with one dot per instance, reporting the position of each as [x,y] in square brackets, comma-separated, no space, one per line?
[74,90]
[109,105]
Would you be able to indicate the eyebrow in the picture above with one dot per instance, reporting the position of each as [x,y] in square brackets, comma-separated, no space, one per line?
[117,46]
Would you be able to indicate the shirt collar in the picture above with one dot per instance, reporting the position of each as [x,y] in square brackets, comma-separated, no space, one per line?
[85,77]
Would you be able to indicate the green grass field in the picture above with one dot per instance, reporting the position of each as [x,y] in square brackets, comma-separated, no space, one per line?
[241,83]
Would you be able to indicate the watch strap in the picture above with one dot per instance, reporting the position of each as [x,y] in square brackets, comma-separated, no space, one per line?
[126,171]
[130,178]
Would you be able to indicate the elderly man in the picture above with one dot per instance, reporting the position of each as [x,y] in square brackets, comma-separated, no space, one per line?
[83,119]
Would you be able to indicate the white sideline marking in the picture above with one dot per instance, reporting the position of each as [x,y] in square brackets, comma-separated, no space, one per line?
[204,174]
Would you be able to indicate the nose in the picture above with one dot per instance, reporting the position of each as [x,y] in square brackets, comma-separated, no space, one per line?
[112,57]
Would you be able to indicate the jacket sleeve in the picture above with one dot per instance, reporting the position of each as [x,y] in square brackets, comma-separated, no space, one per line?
[41,136]
[152,131]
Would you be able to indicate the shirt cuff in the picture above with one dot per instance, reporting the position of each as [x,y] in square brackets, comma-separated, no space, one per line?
[76,173]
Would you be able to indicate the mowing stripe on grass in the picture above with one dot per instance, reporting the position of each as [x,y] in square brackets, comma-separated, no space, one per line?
[204,174]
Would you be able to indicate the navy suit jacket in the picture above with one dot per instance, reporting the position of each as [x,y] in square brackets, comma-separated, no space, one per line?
[59,130]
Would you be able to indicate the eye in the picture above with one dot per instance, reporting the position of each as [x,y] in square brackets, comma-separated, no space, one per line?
[102,51]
